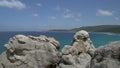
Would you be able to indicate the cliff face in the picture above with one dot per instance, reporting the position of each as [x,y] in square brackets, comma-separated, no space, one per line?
[43,52]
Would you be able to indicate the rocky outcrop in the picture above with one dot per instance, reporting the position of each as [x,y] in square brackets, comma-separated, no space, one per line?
[107,56]
[43,52]
[30,52]
[79,54]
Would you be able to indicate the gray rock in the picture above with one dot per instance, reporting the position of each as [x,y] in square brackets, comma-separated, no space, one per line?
[30,52]
[79,54]
[82,40]
[67,66]
[106,56]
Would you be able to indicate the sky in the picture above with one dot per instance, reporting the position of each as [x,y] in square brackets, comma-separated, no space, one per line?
[37,15]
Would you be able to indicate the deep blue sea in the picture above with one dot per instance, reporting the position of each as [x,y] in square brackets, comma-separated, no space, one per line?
[64,38]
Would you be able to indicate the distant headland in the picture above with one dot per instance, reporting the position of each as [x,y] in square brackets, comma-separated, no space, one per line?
[99,28]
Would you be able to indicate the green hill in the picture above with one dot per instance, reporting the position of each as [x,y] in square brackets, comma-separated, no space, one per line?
[101,28]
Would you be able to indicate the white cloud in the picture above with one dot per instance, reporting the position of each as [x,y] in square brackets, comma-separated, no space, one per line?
[12,4]
[67,10]
[68,15]
[116,18]
[35,14]
[101,12]
[79,14]
[77,20]
[58,8]
[39,4]
[53,17]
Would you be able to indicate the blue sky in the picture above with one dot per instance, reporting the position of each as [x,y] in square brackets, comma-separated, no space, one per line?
[34,15]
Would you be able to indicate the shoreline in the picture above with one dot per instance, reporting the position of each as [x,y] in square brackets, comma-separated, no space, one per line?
[108,33]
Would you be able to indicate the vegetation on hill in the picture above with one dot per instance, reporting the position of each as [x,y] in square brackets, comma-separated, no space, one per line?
[101,28]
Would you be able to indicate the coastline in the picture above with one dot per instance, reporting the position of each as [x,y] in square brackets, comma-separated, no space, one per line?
[108,33]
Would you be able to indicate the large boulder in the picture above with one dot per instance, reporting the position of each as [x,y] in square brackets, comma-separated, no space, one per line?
[106,56]
[79,53]
[30,52]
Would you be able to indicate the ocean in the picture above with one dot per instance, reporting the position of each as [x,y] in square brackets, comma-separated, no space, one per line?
[65,38]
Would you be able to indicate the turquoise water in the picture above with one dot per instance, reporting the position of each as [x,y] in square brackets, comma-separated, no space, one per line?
[64,38]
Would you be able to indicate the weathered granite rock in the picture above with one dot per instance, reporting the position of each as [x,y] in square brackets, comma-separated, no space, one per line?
[79,54]
[30,52]
[106,56]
